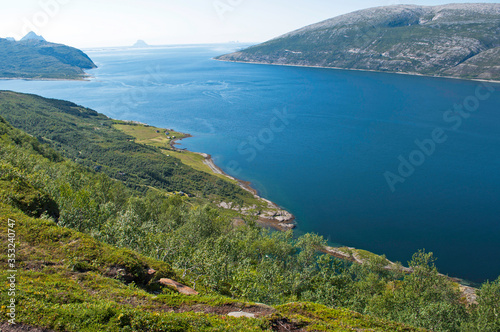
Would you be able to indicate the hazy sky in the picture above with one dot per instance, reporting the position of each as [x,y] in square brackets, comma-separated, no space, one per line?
[95,23]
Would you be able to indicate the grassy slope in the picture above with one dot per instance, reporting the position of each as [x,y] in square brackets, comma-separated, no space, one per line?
[90,139]
[156,137]
[67,281]
[149,135]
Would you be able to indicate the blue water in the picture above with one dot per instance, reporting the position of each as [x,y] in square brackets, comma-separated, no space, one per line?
[318,142]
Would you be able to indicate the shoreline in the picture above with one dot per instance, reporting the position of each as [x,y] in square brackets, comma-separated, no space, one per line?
[81,79]
[351,254]
[362,70]
[276,217]
[467,288]
[269,215]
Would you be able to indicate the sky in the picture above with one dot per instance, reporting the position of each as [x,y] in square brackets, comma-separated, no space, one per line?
[109,23]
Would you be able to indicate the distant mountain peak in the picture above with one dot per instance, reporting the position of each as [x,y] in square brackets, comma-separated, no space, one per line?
[10,39]
[32,36]
[140,43]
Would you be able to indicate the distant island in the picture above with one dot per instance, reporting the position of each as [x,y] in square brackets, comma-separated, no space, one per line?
[34,58]
[140,44]
[457,40]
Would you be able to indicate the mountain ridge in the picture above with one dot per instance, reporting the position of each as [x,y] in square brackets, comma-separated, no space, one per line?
[457,40]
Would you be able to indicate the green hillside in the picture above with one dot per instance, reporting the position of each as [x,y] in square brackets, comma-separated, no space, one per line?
[90,139]
[38,59]
[68,281]
[90,251]
[457,40]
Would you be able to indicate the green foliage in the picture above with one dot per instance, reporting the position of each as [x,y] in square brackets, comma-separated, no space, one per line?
[423,298]
[59,302]
[87,137]
[14,186]
[487,311]
[17,192]
[198,245]
[320,318]
[65,283]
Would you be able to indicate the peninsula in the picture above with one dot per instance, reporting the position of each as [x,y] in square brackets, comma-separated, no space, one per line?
[34,58]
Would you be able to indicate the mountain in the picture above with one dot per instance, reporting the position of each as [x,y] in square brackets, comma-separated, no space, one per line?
[10,39]
[457,40]
[32,36]
[33,57]
[140,43]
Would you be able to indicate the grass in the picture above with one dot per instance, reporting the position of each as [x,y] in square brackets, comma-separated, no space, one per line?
[367,255]
[315,317]
[69,281]
[91,140]
[65,282]
[148,135]
[153,136]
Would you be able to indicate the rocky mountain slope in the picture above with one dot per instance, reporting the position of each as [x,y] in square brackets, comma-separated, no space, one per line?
[457,40]
[33,57]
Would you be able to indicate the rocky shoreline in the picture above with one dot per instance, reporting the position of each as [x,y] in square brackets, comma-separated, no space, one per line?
[271,216]
[282,220]
[353,255]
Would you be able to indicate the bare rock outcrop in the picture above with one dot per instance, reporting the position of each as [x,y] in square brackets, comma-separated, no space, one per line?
[179,287]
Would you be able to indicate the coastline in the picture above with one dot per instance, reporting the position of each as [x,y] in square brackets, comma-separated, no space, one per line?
[274,217]
[363,70]
[83,78]
[354,255]
[466,288]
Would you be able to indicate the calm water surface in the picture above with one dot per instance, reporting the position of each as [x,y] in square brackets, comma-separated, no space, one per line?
[320,143]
